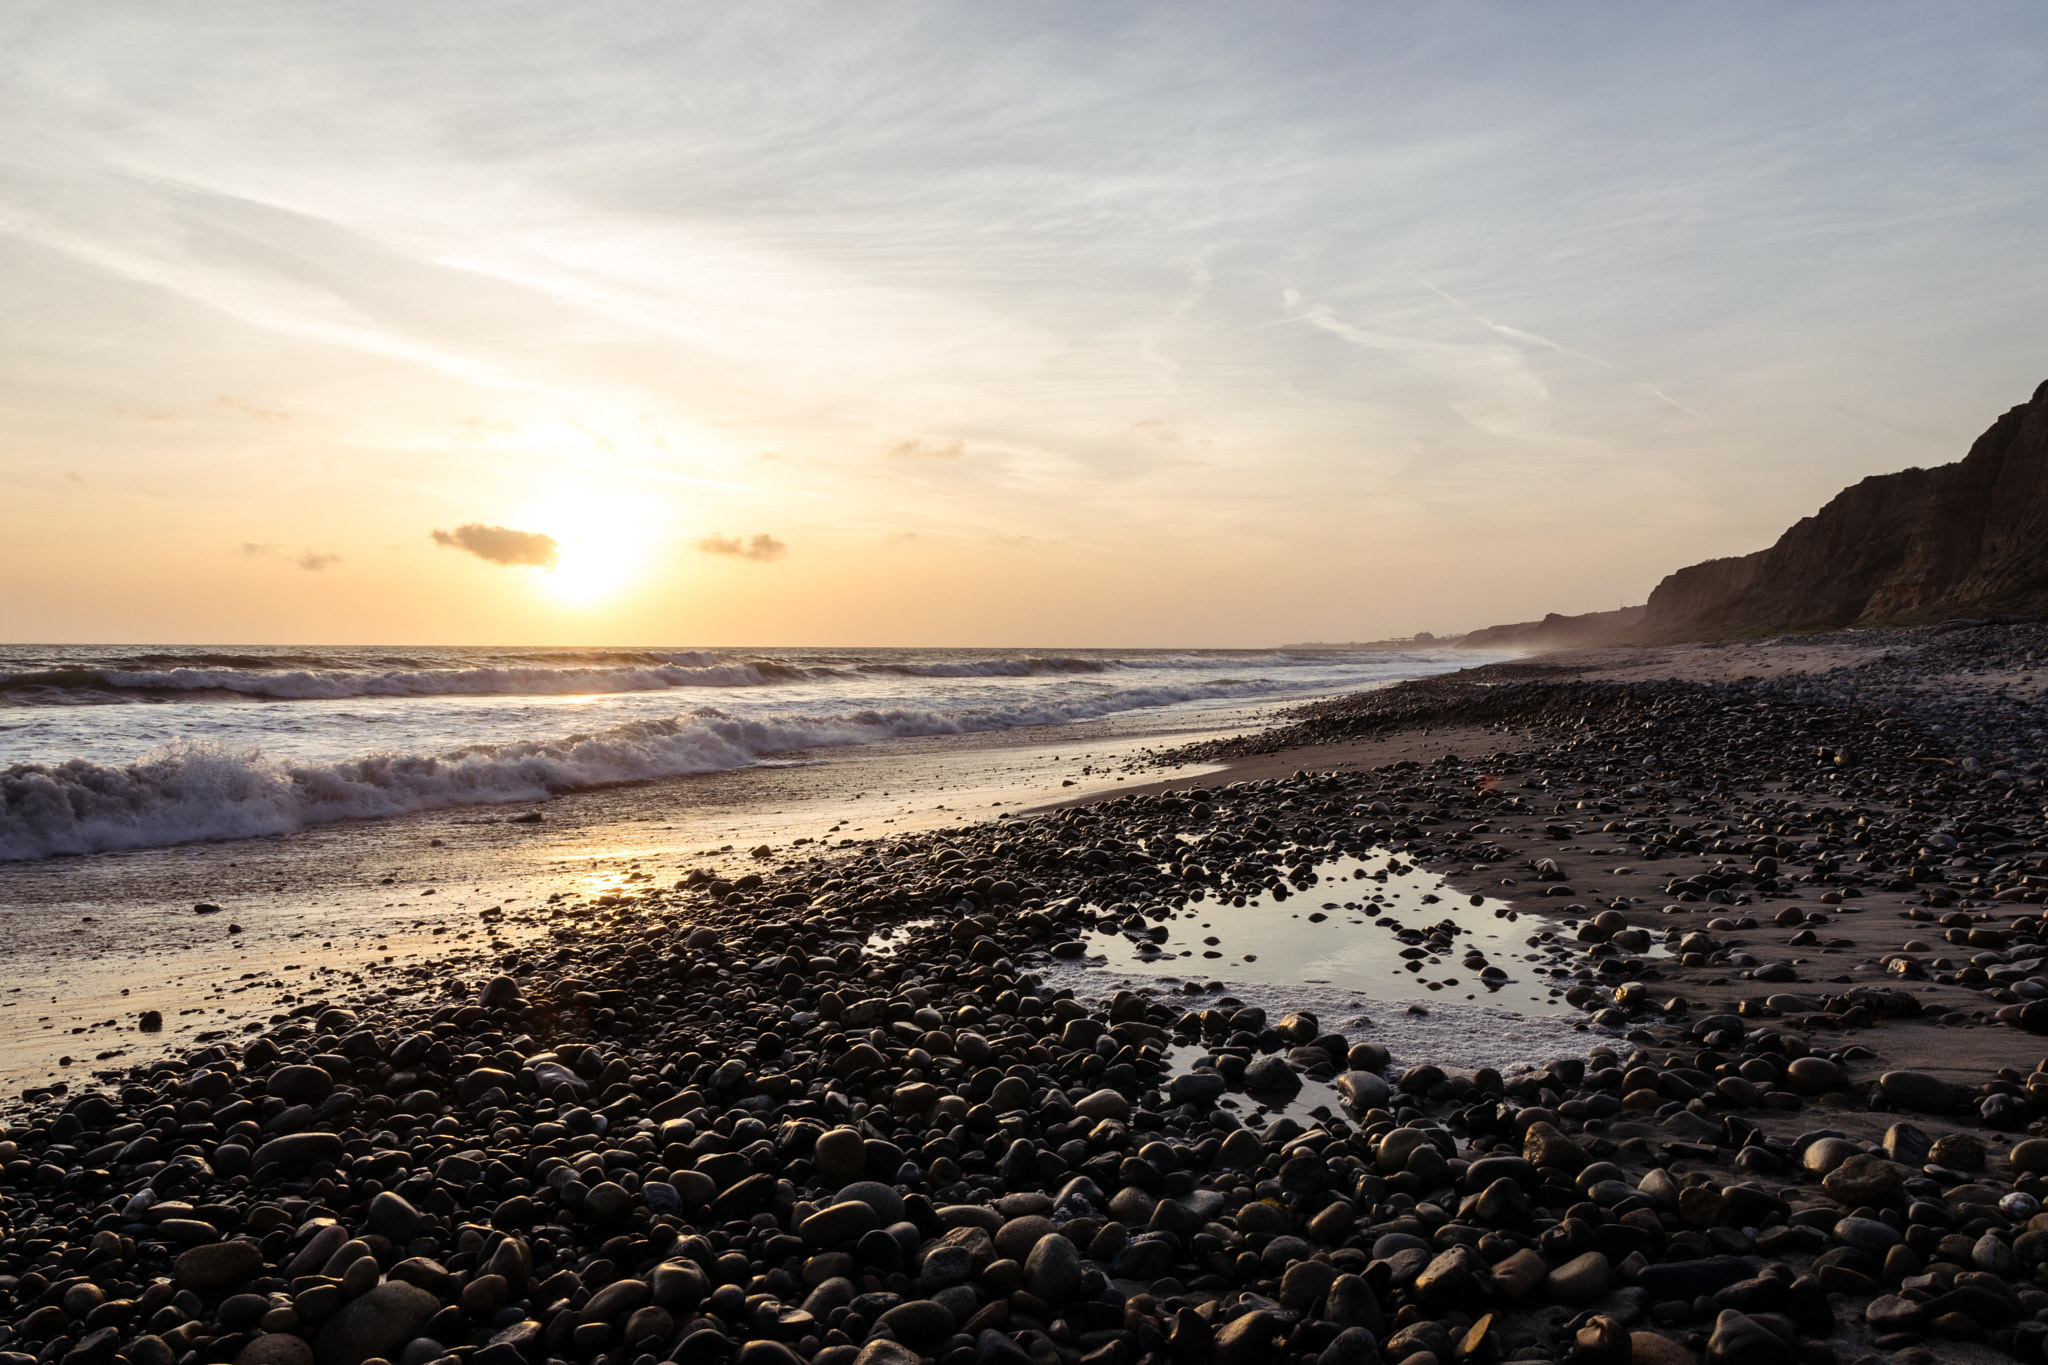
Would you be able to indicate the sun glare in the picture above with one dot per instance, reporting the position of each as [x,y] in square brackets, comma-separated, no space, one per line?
[600,546]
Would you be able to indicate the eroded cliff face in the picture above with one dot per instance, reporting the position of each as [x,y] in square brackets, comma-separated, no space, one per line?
[1969,538]
[1556,632]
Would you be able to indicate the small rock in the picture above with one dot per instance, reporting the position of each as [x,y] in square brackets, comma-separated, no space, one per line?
[216,1266]
[1739,1339]
[375,1325]
[1917,1091]
[1581,1279]
[1053,1268]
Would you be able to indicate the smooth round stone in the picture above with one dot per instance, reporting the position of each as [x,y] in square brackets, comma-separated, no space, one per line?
[1581,1279]
[1813,1075]
[375,1325]
[300,1084]
[1104,1104]
[918,1322]
[1823,1156]
[887,1204]
[1917,1091]
[839,1222]
[1053,1269]
[216,1266]
[840,1157]
[1866,1235]
[1015,1239]
[1958,1152]
[276,1348]
[607,1202]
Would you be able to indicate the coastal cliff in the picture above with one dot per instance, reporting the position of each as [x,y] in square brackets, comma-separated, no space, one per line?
[1921,545]
[1555,631]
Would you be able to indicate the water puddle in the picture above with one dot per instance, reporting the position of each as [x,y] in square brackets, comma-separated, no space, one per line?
[1377,949]
[1394,935]
[888,938]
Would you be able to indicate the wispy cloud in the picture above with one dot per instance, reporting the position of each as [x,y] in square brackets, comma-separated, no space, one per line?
[1401,273]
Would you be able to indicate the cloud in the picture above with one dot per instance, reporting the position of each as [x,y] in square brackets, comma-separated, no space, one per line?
[249,549]
[73,476]
[314,563]
[926,450]
[761,548]
[502,544]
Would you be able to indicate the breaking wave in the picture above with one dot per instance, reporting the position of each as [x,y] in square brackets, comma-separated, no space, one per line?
[224,675]
[186,791]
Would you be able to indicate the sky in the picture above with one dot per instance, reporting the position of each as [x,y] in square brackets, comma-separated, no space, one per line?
[925,324]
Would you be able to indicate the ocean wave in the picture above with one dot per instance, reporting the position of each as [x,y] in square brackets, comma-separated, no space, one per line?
[596,672]
[992,668]
[189,791]
[61,685]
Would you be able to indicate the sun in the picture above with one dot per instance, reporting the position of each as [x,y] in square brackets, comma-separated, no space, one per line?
[589,571]
[600,544]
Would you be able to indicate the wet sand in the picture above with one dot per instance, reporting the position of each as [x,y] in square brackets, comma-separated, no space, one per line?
[397,905]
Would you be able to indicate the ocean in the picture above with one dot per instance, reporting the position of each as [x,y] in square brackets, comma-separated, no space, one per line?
[123,747]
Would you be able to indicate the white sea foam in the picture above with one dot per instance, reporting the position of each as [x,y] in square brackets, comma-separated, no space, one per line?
[331,685]
[193,790]
[237,742]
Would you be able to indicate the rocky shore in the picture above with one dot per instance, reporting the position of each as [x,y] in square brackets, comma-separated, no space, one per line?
[725,1119]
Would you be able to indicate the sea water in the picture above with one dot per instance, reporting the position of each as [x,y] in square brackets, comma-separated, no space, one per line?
[111,747]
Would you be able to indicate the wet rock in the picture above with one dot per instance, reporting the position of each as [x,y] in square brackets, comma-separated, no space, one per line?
[1271,1075]
[1363,1090]
[1544,1145]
